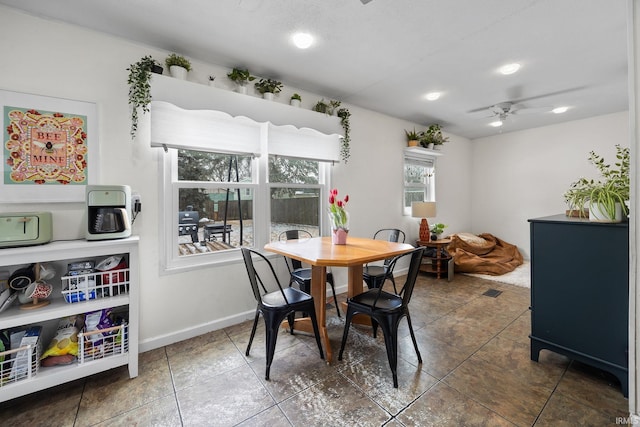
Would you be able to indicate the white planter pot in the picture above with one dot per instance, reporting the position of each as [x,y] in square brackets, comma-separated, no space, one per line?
[242,89]
[600,215]
[295,102]
[178,72]
[268,96]
[430,146]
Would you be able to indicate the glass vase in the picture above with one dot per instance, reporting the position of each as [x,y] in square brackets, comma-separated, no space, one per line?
[339,228]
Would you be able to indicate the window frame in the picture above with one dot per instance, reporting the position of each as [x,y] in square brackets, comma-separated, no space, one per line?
[426,158]
[261,214]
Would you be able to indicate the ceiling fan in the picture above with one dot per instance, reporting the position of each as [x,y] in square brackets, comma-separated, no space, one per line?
[365,1]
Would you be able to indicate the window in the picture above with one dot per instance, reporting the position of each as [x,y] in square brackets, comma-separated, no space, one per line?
[225,187]
[296,190]
[419,179]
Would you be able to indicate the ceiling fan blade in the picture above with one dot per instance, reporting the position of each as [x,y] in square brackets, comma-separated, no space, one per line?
[530,98]
[365,1]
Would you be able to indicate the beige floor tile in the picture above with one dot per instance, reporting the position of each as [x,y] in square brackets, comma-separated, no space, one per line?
[161,412]
[562,411]
[444,406]
[223,400]
[272,417]
[333,402]
[498,390]
[519,329]
[439,358]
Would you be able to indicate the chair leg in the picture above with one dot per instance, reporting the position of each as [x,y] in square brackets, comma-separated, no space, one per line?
[333,291]
[390,330]
[347,325]
[413,338]
[316,331]
[271,324]
[253,331]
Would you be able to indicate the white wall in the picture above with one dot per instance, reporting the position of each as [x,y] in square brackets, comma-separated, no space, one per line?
[492,185]
[89,66]
[522,175]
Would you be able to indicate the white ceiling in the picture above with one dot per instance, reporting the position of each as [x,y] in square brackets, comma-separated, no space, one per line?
[387,54]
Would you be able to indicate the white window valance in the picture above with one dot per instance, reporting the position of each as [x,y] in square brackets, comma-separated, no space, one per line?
[193,116]
[303,143]
[202,130]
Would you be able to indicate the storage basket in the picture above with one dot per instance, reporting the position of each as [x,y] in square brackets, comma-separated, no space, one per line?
[19,364]
[82,287]
[103,343]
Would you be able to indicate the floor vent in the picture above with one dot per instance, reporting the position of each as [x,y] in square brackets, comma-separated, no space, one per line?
[493,293]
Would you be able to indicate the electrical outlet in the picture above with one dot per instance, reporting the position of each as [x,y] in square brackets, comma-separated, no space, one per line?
[136,203]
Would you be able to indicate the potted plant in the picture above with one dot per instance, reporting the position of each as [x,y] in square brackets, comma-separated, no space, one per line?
[178,66]
[436,230]
[295,100]
[268,87]
[432,137]
[211,80]
[333,106]
[241,78]
[140,87]
[412,137]
[321,106]
[606,198]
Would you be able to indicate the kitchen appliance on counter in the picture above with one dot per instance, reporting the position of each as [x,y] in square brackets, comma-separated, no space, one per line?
[108,208]
[25,229]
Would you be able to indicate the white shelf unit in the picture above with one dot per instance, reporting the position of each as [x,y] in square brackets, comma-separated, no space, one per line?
[60,253]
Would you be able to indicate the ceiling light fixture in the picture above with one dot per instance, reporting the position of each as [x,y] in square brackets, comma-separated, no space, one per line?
[302,40]
[509,68]
[560,110]
[432,96]
[496,124]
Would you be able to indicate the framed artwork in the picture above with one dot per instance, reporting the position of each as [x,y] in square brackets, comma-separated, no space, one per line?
[49,148]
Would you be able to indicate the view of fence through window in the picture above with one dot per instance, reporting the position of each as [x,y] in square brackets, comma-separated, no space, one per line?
[216,214]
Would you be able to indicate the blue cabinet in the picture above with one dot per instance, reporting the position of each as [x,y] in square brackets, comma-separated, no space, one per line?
[580,292]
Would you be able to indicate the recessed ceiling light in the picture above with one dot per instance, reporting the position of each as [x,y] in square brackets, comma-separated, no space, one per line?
[496,124]
[560,110]
[509,68]
[302,40]
[432,96]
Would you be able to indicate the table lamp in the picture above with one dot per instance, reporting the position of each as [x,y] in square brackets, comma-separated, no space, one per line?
[424,210]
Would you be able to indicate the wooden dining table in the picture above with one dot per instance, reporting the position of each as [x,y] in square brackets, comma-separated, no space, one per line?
[320,253]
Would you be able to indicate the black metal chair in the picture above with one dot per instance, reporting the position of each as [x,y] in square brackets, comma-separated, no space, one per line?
[387,309]
[301,275]
[276,306]
[375,275]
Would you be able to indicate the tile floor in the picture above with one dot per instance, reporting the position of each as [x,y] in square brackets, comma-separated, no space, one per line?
[476,371]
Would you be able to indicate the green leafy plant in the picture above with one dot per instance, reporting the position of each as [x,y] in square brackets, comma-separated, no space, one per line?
[321,106]
[212,78]
[333,105]
[140,88]
[437,228]
[433,135]
[240,76]
[612,189]
[175,59]
[268,85]
[412,135]
[296,96]
[345,148]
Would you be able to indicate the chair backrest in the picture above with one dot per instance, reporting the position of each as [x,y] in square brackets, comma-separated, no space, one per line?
[254,277]
[293,235]
[390,234]
[412,275]
[414,267]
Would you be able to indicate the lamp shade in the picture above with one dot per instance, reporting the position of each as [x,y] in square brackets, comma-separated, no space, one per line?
[423,209]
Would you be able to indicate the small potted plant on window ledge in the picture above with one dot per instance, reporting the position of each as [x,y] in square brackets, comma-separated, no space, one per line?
[241,78]
[268,87]
[295,100]
[178,65]
[412,137]
[432,137]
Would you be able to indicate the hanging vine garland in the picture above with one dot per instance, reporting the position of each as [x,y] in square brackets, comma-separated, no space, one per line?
[344,115]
